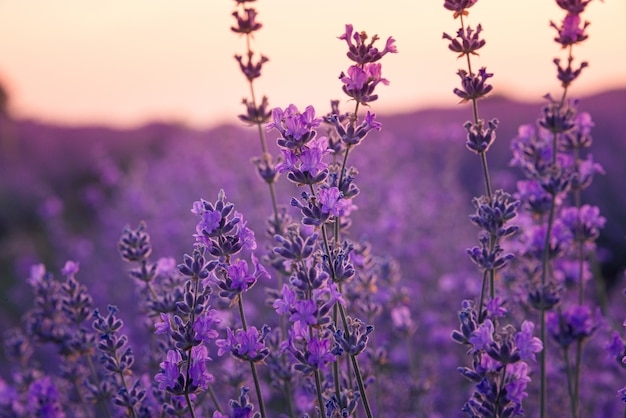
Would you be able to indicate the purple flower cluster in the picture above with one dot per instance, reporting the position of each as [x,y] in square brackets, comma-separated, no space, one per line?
[499,365]
[362,78]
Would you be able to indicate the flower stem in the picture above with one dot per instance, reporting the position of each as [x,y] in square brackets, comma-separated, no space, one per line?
[255,375]
[320,399]
[257,387]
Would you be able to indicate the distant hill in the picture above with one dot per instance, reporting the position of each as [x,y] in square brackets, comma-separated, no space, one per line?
[39,159]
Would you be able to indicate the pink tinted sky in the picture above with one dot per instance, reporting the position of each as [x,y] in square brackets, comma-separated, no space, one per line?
[124,62]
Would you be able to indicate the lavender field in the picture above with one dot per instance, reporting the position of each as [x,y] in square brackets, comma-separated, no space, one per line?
[323,262]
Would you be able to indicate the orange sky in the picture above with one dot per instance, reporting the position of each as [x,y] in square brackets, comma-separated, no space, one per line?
[124,62]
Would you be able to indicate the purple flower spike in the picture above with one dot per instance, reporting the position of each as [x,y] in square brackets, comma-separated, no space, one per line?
[283,305]
[482,336]
[480,139]
[474,86]
[575,323]
[467,42]
[363,53]
[246,23]
[319,353]
[168,377]
[70,268]
[245,345]
[571,31]
[198,373]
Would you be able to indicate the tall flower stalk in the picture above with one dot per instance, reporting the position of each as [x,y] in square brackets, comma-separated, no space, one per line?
[550,156]
[480,136]
[257,113]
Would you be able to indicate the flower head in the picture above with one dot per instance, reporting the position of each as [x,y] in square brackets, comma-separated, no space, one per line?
[526,343]
[361,52]
[474,86]
[168,377]
[246,22]
[459,7]
[295,127]
[319,352]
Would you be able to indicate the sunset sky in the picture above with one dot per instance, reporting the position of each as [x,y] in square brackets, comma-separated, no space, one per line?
[126,62]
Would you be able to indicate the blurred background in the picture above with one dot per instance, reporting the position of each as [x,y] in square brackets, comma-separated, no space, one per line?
[124,63]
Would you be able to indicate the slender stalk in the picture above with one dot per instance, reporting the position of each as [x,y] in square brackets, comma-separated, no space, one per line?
[482,297]
[81,398]
[196,282]
[344,321]
[493,240]
[355,366]
[96,379]
[581,282]
[544,275]
[255,375]
[263,141]
[344,164]
[214,398]
[320,399]
[570,384]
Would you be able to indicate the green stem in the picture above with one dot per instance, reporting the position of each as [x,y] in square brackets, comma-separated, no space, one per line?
[192,318]
[577,368]
[320,399]
[570,383]
[288,396]
[189,404]
[255,375]
[344,164]
[96,380]
[359,381]
[263,142]
[257,387]
[482,298]
[336,363]
[214,399]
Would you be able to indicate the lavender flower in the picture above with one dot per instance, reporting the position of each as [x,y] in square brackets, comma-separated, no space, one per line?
[247,345]
[363,53]
[246,22]
[573,324]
